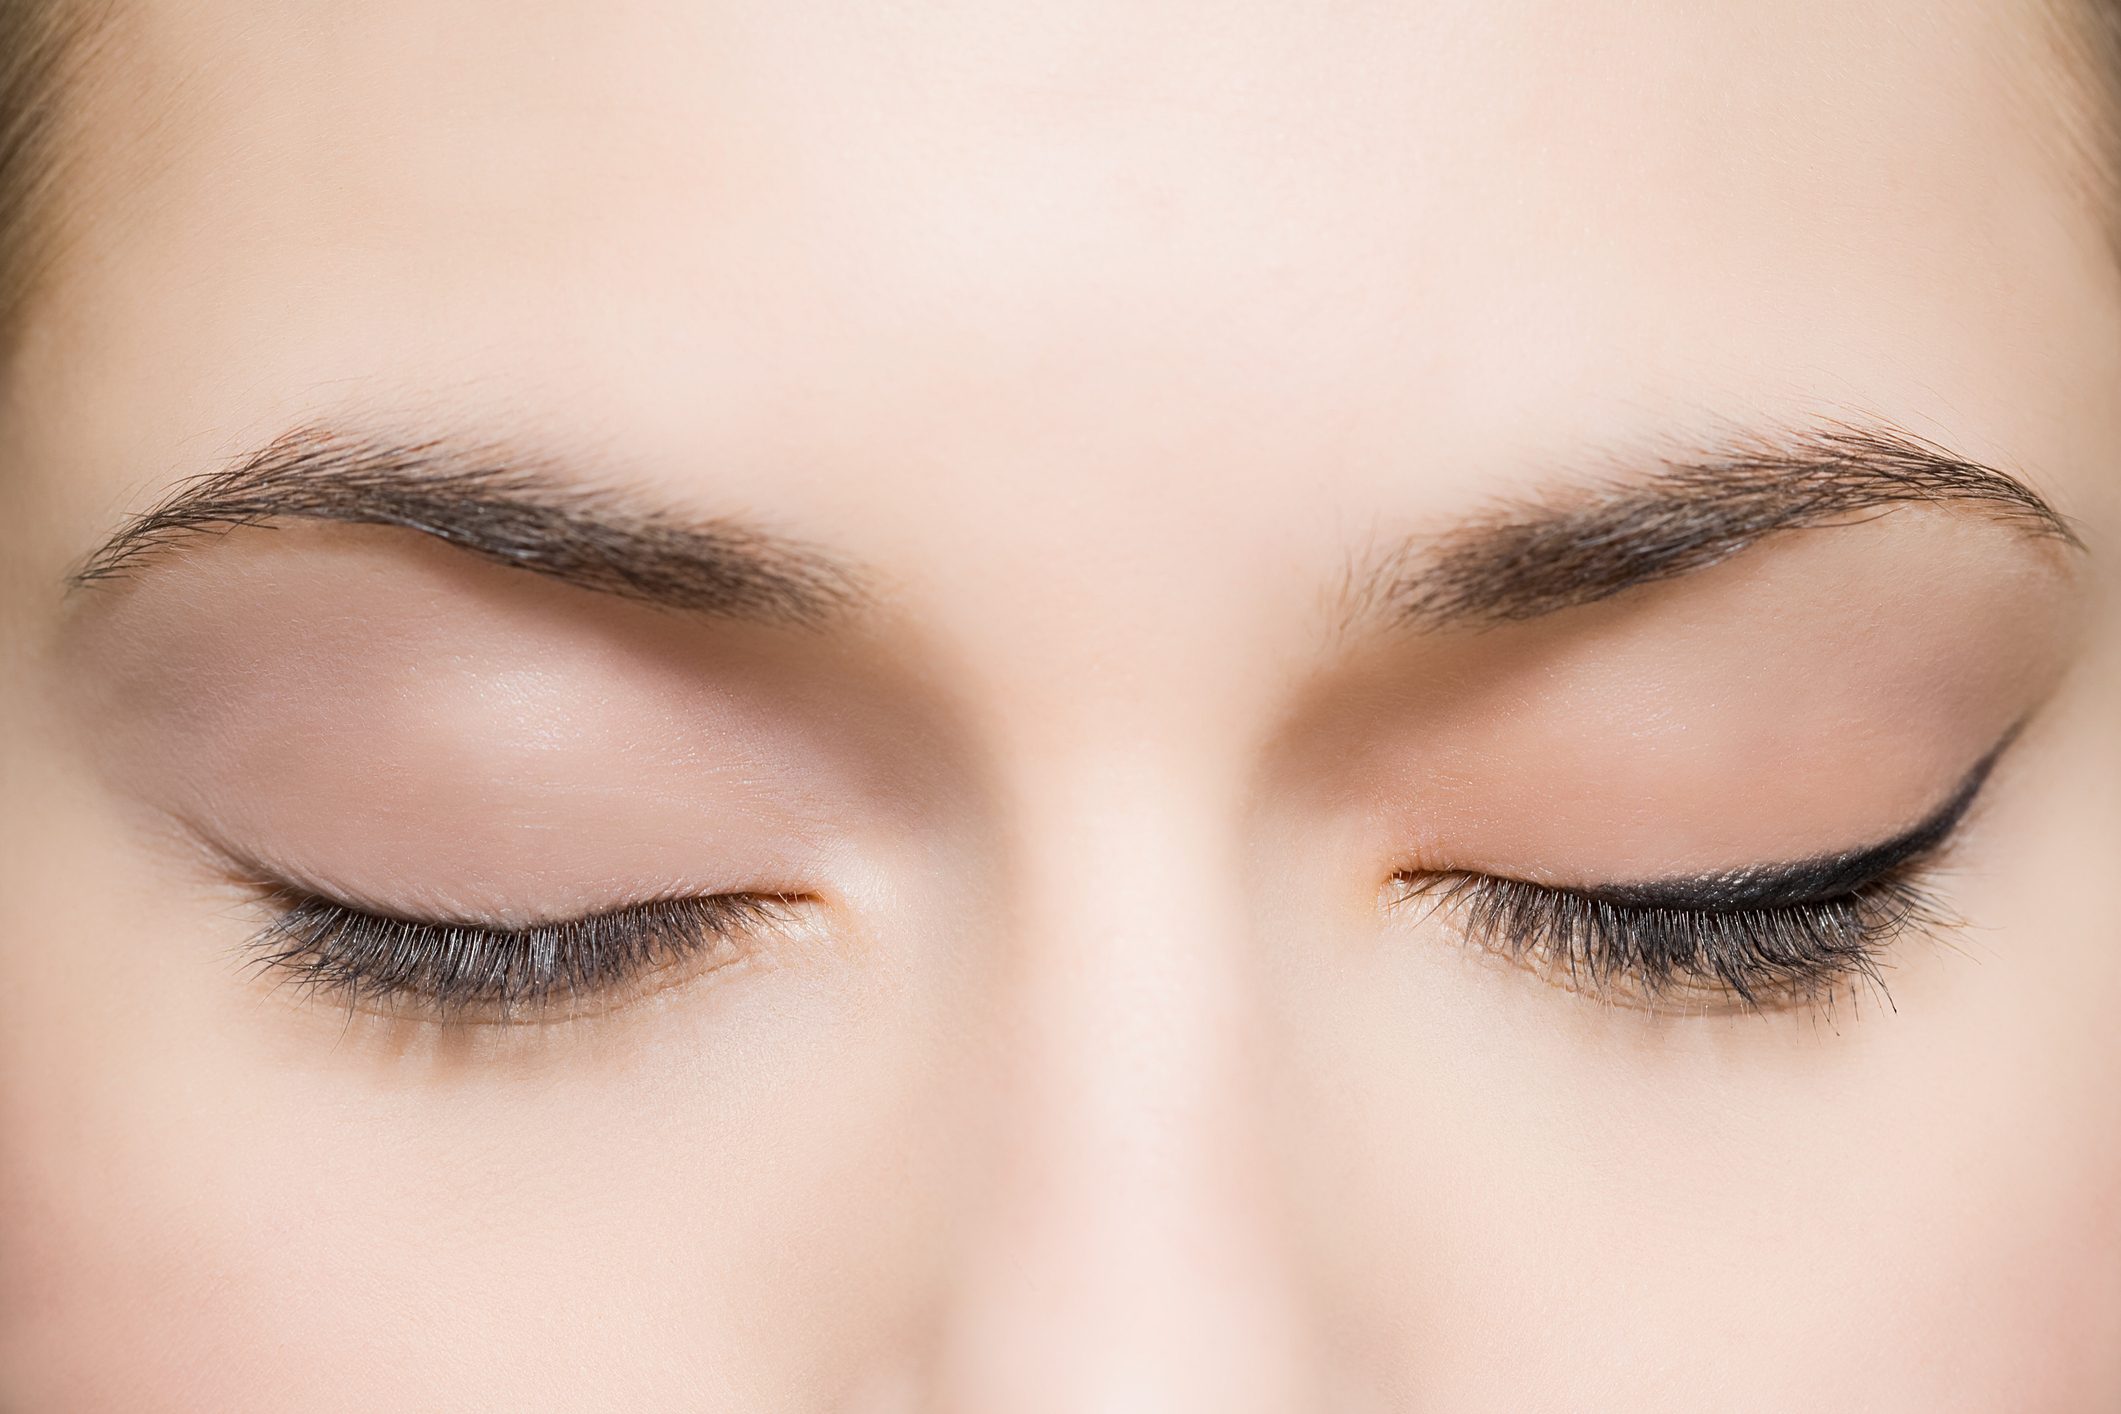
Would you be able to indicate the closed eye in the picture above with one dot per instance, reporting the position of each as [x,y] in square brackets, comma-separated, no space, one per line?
[1758,937]
[457,970]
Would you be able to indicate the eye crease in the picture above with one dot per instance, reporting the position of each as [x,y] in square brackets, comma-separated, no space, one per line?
[1758,938]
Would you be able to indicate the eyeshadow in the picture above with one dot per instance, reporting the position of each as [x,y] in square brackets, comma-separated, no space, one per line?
[1803,881]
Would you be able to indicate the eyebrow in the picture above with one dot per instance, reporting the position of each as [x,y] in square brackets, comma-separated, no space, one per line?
[501,507]
[1528,559]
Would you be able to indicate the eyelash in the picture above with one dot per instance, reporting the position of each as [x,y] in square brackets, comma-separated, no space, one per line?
[1787,956]
[458,970]
[1617,943]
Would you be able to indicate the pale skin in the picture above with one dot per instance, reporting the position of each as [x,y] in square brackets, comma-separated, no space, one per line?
[1104,344]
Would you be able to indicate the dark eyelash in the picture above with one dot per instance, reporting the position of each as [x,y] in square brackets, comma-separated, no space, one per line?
[1765,936]
[1791,954]
[451,969]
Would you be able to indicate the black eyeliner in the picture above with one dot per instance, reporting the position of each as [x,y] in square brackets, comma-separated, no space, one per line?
[1803,881]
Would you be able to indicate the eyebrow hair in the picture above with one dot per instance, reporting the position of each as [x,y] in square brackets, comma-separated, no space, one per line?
[502,508]
[1527,559]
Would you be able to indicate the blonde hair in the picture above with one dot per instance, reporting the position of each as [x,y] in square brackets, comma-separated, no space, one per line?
[41,42]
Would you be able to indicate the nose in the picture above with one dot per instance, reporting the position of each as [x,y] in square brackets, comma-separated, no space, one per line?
[1126,1253]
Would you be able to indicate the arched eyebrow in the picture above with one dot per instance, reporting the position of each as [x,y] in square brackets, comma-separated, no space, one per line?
[1527,559]
[501,507]
[1521,561]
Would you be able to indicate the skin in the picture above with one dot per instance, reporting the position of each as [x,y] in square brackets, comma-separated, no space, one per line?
[1100,1073]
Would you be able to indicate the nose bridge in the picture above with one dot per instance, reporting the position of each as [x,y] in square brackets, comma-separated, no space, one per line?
[1127,1256]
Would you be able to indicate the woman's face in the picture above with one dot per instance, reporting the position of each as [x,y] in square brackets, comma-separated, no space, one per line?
[1257,708]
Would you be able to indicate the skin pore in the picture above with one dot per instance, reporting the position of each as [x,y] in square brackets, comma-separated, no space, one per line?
[1081,505]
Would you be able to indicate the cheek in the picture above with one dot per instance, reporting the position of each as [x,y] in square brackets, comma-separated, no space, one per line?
[212,1197]
[1510,1191]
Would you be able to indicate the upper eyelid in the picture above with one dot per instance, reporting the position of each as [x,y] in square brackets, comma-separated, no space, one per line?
[1816,879]
[1746,888]
[288,897]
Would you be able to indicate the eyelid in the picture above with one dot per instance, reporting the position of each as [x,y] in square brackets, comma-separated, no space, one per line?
[1810,880]
[1764,937]
[458,970]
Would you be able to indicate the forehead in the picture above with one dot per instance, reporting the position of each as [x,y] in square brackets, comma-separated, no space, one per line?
[1099,232]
